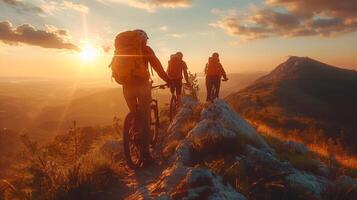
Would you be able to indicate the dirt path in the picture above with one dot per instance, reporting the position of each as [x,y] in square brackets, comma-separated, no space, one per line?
[138,180]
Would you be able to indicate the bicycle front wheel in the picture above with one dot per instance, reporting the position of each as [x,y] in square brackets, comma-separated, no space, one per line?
[132,139]
[154,123]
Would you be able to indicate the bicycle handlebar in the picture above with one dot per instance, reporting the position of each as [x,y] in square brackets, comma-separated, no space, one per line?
[162,86]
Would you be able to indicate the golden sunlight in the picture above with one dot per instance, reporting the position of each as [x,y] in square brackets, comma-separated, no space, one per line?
[88,53]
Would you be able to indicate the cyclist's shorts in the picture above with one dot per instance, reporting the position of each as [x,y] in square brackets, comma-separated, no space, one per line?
[176,85]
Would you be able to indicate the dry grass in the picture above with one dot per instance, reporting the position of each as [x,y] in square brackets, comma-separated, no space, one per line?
[169,149]
[187,127]
[326,149]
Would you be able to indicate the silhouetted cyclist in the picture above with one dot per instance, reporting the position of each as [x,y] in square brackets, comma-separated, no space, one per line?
[175,69]
[214,72]
[130,69]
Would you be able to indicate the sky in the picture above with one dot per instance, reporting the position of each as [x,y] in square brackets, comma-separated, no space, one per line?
[67,38]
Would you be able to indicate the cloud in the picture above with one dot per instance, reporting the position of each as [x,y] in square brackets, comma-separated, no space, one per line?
[153,5]
[75,6]
[335,8]
[27,34]
[23,6]
[292,18]
[59,6]
[176,35]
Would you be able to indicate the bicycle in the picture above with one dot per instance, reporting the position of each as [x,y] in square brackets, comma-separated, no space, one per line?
[173,106]
[214,93]
[133,133]
[174,103]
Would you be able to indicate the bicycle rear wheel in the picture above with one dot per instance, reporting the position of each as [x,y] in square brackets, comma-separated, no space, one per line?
[173,107]
[154,123]
[212,94]
[132,139]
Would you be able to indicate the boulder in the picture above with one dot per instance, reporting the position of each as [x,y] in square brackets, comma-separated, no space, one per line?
[307,184]
[220,111]
[203,184]
[295,147]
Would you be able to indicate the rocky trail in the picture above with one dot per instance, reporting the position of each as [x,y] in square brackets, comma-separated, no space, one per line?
[210,152]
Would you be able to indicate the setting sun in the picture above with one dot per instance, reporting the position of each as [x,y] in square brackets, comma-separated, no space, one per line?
[88,53]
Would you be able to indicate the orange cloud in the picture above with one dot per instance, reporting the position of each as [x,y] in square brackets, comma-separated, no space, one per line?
[27,34]
[22,6]
[333,8]
[294,18]
[152,5]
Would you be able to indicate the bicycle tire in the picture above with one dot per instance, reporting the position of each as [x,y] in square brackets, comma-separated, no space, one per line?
[212,93]
[154,123]
[130,135]
[173,106]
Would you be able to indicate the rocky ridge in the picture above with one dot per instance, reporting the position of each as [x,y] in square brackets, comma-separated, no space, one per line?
[220,135]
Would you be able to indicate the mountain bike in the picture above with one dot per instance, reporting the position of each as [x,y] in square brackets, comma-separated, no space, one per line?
[214,93]
[133,134]
[174,103]
[173,106]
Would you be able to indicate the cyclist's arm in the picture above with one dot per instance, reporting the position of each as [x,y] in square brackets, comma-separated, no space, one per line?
[185,72]
[223,72]
[156,64]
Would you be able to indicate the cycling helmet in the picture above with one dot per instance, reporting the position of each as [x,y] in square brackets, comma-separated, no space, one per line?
[215,55]
[179,54]
[143,33]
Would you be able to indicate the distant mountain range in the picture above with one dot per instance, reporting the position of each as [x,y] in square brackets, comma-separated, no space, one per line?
[304,94]
[45,105]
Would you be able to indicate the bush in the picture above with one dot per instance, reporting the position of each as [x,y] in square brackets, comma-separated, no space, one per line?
[193,85]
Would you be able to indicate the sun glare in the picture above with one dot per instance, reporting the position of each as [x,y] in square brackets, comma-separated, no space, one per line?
[88,53]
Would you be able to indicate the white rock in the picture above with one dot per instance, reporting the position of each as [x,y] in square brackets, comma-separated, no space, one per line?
[295,147]
[307,183]
[231,120]
[202,180]
[209,130]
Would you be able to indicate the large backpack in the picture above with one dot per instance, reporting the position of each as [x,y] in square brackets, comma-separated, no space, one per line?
[213,67]
[128,61]
[174,70]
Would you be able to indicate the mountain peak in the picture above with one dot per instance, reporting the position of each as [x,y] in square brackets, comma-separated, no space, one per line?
[297,58]
[293,65]
[300,67]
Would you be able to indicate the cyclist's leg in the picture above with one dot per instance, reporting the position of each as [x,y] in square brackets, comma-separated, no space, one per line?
[172,88]
[144,102]
[178,91]
[218,86]
[208,88]
[130,96]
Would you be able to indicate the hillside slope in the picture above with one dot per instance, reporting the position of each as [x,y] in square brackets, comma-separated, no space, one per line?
[305,95]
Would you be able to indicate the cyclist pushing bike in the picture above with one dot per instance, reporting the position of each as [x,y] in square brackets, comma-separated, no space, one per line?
[130,69]
[177,67]
[214,72]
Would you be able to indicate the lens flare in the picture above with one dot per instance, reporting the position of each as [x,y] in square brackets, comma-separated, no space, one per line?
[88,53]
